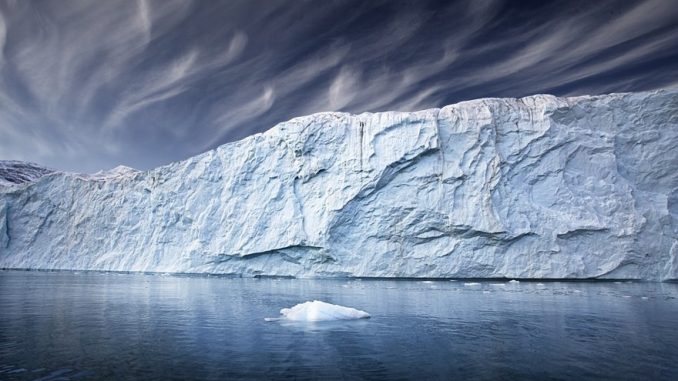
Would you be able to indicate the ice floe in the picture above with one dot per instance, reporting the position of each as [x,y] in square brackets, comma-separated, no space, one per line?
[320,311]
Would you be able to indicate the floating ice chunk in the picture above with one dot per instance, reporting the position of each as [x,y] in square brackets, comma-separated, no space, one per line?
[514,281]
[472,284]
[321,311]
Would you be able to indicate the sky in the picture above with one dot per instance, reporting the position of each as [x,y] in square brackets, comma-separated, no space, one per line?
[89,85]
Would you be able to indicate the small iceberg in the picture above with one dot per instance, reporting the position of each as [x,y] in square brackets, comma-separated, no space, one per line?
[320,311]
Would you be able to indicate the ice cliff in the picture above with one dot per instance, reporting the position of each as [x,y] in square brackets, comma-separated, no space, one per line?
[538,187]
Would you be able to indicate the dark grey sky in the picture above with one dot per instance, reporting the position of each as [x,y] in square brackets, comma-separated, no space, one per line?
[88,85]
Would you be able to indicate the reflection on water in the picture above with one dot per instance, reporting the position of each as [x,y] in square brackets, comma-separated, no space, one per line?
[62,325]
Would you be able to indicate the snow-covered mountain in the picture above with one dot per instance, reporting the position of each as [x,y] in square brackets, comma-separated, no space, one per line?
[538,187]
[14,172]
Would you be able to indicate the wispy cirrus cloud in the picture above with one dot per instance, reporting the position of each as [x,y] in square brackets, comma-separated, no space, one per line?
[86,85]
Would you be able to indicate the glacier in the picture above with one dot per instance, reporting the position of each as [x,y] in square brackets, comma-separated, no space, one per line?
[532,188]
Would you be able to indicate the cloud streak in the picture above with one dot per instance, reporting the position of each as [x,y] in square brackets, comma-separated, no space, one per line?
[88,85]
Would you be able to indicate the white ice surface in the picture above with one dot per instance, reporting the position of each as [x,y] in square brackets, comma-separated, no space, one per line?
[321,311]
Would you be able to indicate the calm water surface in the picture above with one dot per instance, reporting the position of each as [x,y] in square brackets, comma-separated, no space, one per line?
[64,325]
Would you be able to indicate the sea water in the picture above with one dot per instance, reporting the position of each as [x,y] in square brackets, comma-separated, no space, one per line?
[88,325]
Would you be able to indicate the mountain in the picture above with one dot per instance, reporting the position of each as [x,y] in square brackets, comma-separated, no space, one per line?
[14,172]
[537,187]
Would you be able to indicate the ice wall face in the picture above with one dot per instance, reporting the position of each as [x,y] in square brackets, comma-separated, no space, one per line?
[539,187]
